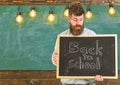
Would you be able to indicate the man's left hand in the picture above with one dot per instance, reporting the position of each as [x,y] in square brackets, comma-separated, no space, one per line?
[99,78]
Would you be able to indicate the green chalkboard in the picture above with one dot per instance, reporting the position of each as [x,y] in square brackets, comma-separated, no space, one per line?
[29,46]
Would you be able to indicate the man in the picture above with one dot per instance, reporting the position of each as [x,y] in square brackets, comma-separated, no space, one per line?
[76,21]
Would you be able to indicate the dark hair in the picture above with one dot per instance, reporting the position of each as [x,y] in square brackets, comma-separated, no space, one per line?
[76,9]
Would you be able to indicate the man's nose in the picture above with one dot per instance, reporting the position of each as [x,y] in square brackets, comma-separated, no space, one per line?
[79,23]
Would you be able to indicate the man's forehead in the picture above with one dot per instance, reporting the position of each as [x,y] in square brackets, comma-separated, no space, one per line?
[76,16]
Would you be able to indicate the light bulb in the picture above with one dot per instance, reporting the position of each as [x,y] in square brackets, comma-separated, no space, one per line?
[51,17]
[88,14]
[66,12]
[19,18]
[111,10]
[33,13]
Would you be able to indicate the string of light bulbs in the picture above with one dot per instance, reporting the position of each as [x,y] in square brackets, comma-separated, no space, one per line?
[51,15]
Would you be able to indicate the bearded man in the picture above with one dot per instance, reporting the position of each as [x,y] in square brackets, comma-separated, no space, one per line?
[76,21]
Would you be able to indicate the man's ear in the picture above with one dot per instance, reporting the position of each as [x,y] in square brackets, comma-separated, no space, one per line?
[68,18]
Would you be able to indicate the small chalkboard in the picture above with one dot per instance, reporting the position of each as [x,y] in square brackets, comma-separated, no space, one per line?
[88,55]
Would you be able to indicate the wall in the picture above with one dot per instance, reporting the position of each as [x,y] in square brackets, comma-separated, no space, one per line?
[29,46]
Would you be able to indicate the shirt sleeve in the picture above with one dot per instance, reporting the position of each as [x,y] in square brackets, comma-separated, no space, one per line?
[55,49]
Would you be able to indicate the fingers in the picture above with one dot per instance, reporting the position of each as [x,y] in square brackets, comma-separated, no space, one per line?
[55,58]
[99,78]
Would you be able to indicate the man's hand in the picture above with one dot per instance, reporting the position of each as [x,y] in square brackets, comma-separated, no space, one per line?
[55,58]
[99,78]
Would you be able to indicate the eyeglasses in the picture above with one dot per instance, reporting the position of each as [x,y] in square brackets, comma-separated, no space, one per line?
[77,20]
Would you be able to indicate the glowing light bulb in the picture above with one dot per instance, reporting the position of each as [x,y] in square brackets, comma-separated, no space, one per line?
[88,14]
[19,18]
[66,12]
[51,17]
[33,13]
[111,11]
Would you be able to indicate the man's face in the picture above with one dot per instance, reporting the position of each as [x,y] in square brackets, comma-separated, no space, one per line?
[76,24]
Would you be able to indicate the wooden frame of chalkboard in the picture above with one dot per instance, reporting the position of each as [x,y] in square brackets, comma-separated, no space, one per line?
[85,56]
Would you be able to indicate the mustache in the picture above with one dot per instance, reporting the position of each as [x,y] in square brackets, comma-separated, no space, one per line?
[78,26]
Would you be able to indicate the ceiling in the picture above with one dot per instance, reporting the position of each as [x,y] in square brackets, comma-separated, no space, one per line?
[57,2]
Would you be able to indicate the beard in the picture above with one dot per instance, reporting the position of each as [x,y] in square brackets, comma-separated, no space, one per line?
[77,29]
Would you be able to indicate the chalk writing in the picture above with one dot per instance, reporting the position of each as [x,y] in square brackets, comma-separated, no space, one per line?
[74,47]
[79,64]
[87,54]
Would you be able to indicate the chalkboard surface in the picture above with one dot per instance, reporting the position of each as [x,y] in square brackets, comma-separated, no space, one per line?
[29,46]
[87,56]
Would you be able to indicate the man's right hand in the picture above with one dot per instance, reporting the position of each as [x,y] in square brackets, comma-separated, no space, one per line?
[55,58]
